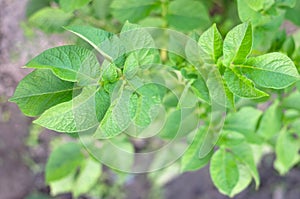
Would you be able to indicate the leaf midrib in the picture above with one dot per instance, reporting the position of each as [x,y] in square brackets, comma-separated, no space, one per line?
[45,93]
[267,70]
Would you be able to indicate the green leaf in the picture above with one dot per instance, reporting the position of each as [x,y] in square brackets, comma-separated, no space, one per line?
[292,13]
[63,161]
[241,86]
[41,90]
[50,19]
[244,180]
[237,44]
[70,63]
[273,70]
[292,101]
[286,3]
[271,121]
[140,60]
[211,43]
[117,117]
[268,16]
[245,122]
[90,172]
[224,171]
[187,15]
[109,72]
[230,100]
[191,161]
[63,185]
[33,6]
[179,122]
[144,106]
[94,36]
[76,115]
[71,5]
[256,5]
[116,152]
[230,138]
[288,47]
[244,154]
[287,151]
[101,8]
[200,89]
[132,10]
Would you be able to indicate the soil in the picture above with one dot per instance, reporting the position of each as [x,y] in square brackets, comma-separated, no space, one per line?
[18,179]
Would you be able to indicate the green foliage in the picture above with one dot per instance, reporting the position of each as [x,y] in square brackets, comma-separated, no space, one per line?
[181,11]
[119,97]
[58,166]
[50,19]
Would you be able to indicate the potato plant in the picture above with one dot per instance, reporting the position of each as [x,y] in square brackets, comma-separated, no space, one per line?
[221,98]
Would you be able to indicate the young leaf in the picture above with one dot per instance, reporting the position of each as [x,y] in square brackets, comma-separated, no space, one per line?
[41,90]
[71,5]
[190,160]
[287,151]
[181,11]
[109,72]
[271,121]
[70,63]
[224,171]
[237,44]
[211,43]
[241,86]
[58,166]
[273,70]
[50,19]
[132,10]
